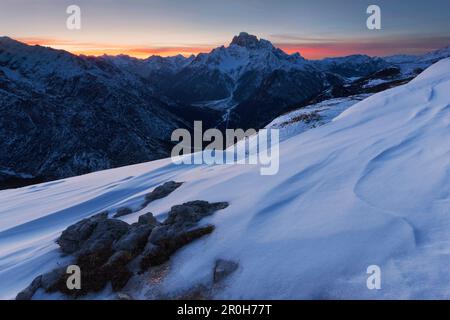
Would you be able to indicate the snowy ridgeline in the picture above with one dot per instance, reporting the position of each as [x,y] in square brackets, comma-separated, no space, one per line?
[312,116]
[370,187]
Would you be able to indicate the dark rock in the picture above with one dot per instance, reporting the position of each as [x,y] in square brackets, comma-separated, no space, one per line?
[148,218]
[120,257]
[93,276]
[153,255]
[109,250]
[123,296]
[50,279]
[103,236]
[165,240]
[123,212]
[223,269]
[116,269]
[192,212]
[75,235]
[162,191]
[179,229]
[246,40]
[28,292]
[135,239]
[93,248]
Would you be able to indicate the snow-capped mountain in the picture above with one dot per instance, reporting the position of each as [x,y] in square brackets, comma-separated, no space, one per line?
[245,62]
[352,66]
[152,66]
[246,53]
[252,82]
[371,187]
[73,114]
[392,71]
[411,65]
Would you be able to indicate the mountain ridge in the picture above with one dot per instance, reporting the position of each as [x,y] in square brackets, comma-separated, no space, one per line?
[71,114]
[369,188]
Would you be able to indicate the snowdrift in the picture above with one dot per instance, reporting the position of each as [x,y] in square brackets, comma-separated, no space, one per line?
[371,187]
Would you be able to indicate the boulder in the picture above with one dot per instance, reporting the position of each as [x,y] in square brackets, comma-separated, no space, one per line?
[75,235]
[223,268]
[123,296]
[50,279]
[165,240]
[148,218]
[162,191]
[105,249]
[116,270]
[105,233]
[153,255]
[135,239]
[28,292]
[122,212]
[48,282]
[179,229]
[192,212]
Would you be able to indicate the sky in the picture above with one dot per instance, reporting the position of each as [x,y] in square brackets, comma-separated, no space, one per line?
[316,29]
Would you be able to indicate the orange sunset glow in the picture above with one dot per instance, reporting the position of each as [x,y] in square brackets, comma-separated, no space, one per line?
[309,50]
[92,49]
[141,52]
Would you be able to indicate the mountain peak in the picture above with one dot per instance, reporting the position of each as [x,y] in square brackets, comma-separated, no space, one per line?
[249,41]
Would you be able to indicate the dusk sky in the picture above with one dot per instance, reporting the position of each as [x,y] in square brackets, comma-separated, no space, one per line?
[316,29]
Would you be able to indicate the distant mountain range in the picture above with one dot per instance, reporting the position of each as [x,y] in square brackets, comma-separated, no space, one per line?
[65,115]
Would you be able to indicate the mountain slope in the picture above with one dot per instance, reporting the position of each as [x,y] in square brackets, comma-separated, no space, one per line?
[415,64]
[371,187]
[250,80]
[64,115]
[69,115]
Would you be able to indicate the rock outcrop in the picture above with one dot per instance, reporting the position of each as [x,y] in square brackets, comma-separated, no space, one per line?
[161,191]
[105,249]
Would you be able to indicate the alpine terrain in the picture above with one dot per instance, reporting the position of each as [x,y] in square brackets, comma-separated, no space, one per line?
[368,186]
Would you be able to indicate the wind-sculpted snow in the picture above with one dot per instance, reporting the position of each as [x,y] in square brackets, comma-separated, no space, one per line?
[370,187]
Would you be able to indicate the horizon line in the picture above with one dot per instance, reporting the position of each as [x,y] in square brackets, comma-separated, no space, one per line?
[311,51]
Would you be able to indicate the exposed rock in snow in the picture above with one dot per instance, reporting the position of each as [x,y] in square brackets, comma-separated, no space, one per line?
[179,229]
[124,296]
[71,115]
[135,239]
[72,239]
[148,218]
[161,191]
[104,248]
[223,269]
[123,212]
[369,187]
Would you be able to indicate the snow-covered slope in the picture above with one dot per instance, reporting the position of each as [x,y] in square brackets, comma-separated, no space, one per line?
[410,64]
[371,187]
[312,116]
[352,66]
[246,53]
